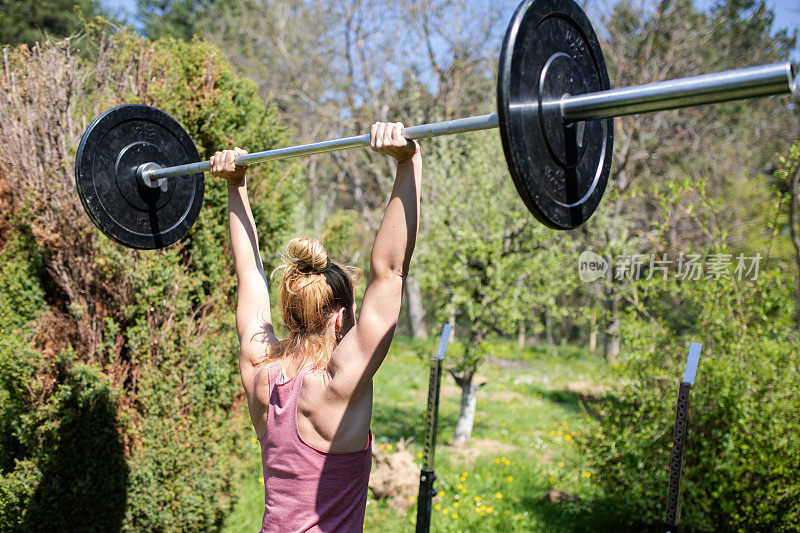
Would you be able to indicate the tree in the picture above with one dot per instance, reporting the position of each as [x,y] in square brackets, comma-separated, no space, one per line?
[180,19]
[482,259]
[668,39]
[23,21]
[332,69]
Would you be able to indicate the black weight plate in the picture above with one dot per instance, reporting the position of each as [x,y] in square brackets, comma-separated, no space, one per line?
[560,171]
[111,150]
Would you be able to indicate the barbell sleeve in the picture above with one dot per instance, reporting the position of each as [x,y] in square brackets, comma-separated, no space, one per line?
[738,84]
[749,82]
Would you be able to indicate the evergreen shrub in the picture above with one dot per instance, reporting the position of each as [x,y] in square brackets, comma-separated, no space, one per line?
[120,396]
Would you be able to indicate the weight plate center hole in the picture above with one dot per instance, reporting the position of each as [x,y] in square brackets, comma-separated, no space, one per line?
[561,77]
[130,185]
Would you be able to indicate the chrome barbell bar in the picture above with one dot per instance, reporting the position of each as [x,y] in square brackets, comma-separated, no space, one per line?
[749,82]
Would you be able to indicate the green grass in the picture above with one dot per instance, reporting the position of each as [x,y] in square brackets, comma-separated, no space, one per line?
[523,443]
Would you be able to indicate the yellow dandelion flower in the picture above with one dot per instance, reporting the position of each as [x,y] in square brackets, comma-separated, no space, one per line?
[539,395]
[463,491]
[441,493]
[253,440]
[477,498]
[462,478]
[567,436]
[502,424]
[670,445]
[445,510]
[552,480]
[465,474]
[508,462]
[455,504]
[539,416]
[587,474]
[419,454]
[411,498]
[505,512]
[552,432]
[503,459]
[497,461]
[261,480]
[489,510]
[454,515]
[561,463]
[509,479]
[437,506]
[389,446]
[499,495]
[459,486]
[538,456]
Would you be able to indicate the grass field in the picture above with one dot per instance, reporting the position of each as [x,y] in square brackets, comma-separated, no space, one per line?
[528,417]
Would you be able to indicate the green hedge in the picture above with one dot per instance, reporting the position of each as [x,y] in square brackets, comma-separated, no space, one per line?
[145,427]
[741,459]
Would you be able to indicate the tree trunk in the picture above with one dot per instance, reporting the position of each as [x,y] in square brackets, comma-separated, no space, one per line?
[415,310]
[548,326]
[469,402]
[611,349]
[521,336]
[592,339]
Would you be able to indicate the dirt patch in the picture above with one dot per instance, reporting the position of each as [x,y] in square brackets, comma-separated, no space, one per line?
[448,390]
[507,363]
[586,389]
[558,495]
[477,447]
[395,477]
[507,396]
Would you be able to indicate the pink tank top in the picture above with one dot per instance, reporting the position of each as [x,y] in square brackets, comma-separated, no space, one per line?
[306,489]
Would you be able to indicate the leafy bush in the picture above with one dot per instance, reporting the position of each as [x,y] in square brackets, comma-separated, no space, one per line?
[741,459]
[119,388]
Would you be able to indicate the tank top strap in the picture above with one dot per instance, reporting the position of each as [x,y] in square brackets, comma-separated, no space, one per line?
[301,374]
[273,369]
[293,388]
[293,384]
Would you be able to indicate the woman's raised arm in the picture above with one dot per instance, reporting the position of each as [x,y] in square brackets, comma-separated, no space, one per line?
[253,318]
[362,351]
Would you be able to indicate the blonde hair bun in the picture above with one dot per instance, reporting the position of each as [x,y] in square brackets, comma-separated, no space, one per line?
[308,254]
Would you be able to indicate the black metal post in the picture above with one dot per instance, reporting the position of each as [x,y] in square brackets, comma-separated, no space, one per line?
[679,440]
[427,475]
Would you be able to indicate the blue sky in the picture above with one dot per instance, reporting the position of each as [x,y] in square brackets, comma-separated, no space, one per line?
[787,12]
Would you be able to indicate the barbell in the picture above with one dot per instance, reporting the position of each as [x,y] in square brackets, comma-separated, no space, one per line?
[140,178]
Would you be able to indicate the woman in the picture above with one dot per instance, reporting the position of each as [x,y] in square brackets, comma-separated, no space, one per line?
[310,396]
